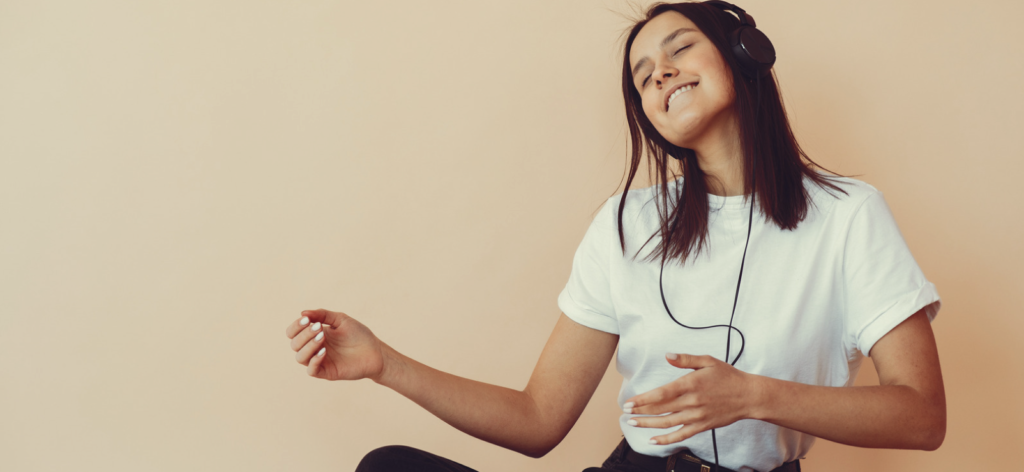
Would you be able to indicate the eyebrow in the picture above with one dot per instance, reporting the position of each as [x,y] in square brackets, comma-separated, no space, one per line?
[668,39]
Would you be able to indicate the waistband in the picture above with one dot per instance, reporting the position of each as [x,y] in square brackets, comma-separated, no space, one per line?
[684,461]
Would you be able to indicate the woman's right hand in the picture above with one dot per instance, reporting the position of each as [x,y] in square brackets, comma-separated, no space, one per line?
[346,351]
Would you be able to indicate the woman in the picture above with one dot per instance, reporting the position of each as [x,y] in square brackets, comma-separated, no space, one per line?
[739,337]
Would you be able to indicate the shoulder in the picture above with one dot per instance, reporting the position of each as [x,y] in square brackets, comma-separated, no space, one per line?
[639,205]
[640,219]
[845,199]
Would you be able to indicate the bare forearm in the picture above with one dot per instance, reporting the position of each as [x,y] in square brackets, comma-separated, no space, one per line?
[882,416]
[502,416]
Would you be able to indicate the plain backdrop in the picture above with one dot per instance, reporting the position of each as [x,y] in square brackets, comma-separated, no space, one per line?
[179,179]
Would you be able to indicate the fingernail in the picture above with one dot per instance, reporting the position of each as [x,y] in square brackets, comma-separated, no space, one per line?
[628,405]
[653,441]
[631,422]
[627,410]
[672,356]
[319,336]
[322,351]
[304,321]
[315,327]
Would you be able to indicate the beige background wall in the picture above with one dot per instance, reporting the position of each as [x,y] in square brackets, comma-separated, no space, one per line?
[178,179]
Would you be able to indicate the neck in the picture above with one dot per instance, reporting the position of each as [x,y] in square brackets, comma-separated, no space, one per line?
[721,158]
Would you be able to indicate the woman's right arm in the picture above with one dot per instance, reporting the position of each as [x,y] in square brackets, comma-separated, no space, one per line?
[532,421]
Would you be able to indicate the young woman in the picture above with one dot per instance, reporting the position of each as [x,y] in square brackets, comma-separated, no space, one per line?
[742,290]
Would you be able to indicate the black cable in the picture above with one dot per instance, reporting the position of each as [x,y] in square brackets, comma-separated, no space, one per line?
[743,340]
[663,302]
[743,260]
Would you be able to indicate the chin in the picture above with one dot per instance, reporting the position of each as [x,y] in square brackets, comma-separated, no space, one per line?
[689,129]
[684,137]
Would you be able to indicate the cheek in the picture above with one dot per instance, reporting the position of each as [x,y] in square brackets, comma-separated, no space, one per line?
[720,95]
[657,118]
[651,111]
[723,87]
[650,106]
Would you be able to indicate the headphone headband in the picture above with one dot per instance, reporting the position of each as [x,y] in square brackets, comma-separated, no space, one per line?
[753,50]
[745,19]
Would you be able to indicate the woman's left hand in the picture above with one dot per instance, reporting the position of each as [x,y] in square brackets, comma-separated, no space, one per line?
[715,394]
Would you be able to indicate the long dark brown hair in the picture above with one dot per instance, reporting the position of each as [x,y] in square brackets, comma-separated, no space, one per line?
[772,159]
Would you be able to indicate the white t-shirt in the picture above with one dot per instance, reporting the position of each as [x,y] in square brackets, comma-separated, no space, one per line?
[813,301]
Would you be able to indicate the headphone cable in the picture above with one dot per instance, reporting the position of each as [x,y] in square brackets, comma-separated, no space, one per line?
[739,280]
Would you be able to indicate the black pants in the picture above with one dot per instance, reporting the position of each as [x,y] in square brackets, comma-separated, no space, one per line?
[622,459]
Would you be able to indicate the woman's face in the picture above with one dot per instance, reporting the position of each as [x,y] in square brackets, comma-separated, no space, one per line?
[685,86]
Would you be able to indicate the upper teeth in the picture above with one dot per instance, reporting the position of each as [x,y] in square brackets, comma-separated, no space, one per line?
[685,88]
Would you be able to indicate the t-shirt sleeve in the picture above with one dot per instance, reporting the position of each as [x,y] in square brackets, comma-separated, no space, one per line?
[884,285]
[586,298]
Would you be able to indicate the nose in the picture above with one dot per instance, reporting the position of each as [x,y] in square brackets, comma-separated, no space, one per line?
[663,72]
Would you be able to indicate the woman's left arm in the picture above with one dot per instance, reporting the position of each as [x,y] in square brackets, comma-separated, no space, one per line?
[906,411]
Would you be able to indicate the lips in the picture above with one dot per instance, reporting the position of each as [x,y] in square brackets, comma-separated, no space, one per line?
[670,94]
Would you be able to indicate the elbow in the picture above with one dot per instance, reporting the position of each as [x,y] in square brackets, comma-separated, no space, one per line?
[541,447]
[934,441]
[934,436]
[934,432]
[931,421]
[536,451]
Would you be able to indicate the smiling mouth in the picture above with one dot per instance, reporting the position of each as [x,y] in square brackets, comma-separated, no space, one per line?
[679,91]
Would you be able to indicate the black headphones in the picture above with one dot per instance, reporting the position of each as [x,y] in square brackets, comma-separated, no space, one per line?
[753,50]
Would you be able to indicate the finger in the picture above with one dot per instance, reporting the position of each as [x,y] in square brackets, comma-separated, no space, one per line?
[315,361]
[640,404]
[296,326]
[681,434]
[305,335]
[307,351]
[667,421]
[684,400]
[653,402]
[333,318]
[680,399]
[689,361]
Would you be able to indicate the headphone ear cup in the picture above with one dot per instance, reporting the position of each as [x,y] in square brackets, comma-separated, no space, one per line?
[753,50]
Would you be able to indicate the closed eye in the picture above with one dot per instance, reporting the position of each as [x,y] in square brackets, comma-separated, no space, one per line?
[646,79]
